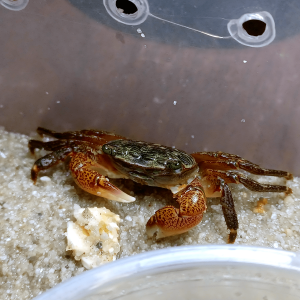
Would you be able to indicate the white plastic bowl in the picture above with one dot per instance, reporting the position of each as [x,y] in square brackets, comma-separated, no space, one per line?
[191,272]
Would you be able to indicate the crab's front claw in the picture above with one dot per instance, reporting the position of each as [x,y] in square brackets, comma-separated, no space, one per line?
[93,182]
[100,186]
[169,220]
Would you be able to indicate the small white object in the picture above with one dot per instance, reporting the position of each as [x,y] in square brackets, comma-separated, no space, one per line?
[47,93]
[288,200]
[175,102]
[243,120]
[274,216]
[142,35]
[57,101]
[244,61]
[2,155]
[192,136]
[45,179]
[128,218]
[139,30]
[93,238]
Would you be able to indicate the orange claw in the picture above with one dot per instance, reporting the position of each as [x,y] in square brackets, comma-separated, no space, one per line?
[169,220]
[93,182]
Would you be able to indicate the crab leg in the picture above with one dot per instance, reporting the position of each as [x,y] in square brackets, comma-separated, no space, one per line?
[226,161]
[49,161]
[215,180]
[49,146]
[94,136]
[229,211]
[213,176]
[85,175]
[169,220]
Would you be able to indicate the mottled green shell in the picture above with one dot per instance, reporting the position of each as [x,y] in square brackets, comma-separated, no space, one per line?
[148,156]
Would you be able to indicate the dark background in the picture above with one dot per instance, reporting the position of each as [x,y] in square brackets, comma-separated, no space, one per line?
[67,65]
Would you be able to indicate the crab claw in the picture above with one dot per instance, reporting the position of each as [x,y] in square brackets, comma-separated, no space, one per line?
[93,182]
[108,190]
[102,187]
[169,220]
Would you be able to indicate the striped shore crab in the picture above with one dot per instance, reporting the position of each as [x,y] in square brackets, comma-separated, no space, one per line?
[97,156]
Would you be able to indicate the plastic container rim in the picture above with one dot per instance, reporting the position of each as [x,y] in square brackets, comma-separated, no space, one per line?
[170,259]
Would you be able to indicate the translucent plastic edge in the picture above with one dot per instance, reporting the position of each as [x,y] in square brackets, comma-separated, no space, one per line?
[14,5]
[170,258]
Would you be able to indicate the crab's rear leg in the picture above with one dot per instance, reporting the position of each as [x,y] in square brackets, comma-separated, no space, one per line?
[50,160]
[49,146]
[229,213]
[225,161]
[93,136]
[169,220]
[215,180]
[84,172]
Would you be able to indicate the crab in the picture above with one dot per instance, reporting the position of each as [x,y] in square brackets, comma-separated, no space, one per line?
[97,156]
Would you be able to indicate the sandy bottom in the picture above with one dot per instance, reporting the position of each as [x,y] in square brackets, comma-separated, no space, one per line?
[33,220]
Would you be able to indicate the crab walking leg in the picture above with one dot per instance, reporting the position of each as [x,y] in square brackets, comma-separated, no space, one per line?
[169,220]
[218,181]
[94,136]
[212,176]
[255,186]
[229,212]
[226,161]
[49,161]
[93,182]
[49,146]
[77,146]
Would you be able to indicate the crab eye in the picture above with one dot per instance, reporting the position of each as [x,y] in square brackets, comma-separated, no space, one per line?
[109,150]
[106,149]
[174,165]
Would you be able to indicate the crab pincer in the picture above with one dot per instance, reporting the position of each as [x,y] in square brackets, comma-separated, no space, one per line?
[169,220]
[93,182]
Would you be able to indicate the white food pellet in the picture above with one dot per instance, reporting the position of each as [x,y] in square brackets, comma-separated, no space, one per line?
[139,30]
